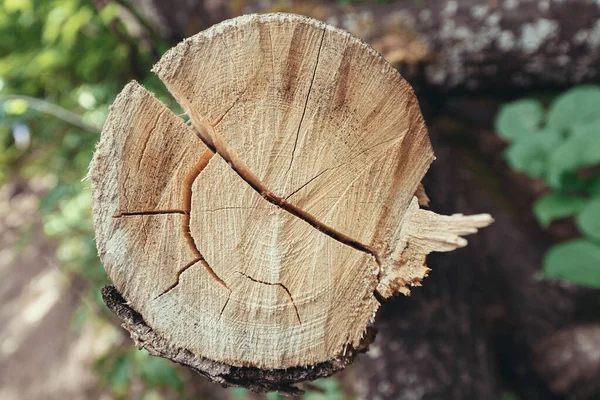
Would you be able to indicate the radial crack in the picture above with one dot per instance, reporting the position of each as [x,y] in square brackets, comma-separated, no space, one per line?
[218,120]
[306,102]
[275,284]
[212,138]
[351,159]
[147,139]
[181,271]
[233,208]
[185,226]
[149,212]
[236,101]
[225,305]
[307,183]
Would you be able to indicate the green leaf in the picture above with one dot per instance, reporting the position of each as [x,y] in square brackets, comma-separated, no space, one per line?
[238,393]
[576,261]
[588,220]
[74,24]
[530,153]
[592,128]
[53,25]
[109,13]
[16,107]
[580,105]
[152,395]
[519,118]
[17,5]
[594,186]
[554,206]
[578,150]
[331,390]
[120,376]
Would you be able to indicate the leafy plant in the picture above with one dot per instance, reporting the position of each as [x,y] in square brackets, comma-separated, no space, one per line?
[331,390]
[561,145]
[62,62]
[122,370]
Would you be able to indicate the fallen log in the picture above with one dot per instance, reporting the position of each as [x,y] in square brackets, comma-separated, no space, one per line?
[456,45]
[473,45]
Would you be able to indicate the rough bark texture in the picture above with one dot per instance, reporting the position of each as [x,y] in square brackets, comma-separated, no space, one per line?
[255,379]
[569,360]
[483,323]
[462,44]
[483,45]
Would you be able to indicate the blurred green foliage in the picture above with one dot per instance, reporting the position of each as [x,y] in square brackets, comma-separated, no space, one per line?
[561,145]
[68,56]
[323,389]
[132,370]
[62,63]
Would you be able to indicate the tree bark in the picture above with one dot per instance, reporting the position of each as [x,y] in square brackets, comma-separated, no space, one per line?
[499,327]
[254,379]
[451,45]
[478,45]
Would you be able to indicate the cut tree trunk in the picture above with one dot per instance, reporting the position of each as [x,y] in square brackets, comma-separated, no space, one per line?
[261,240]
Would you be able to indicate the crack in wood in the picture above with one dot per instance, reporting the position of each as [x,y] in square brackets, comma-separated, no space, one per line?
[153,212]
[237,100]
[225,305]
[307,183]
[275,284]
[228,50]
[181,271]
[186,212]
[215,142]
[306,102]
[187,207]
[152,129]
[272,56]
[234,208]
[125,186]
[342,164]
[218,120]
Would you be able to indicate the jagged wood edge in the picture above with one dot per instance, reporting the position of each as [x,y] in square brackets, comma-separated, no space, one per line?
[252,378]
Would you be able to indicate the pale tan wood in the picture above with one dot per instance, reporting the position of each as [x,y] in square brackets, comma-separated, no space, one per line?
[422,196]
[260,235]
[144,155]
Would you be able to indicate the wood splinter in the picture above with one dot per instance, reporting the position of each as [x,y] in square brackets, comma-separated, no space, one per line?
[254,245]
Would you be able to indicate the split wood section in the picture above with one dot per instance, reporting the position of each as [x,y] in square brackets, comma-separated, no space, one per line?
[261,235]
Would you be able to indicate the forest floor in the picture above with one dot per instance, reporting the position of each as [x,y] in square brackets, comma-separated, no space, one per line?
[41,355]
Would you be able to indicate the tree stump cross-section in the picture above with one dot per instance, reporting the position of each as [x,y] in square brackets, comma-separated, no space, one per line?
[263,236]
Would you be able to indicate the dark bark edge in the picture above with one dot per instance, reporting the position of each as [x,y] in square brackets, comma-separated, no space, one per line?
[254,379]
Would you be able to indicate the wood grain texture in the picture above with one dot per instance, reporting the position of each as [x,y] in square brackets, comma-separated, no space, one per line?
[261,235]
